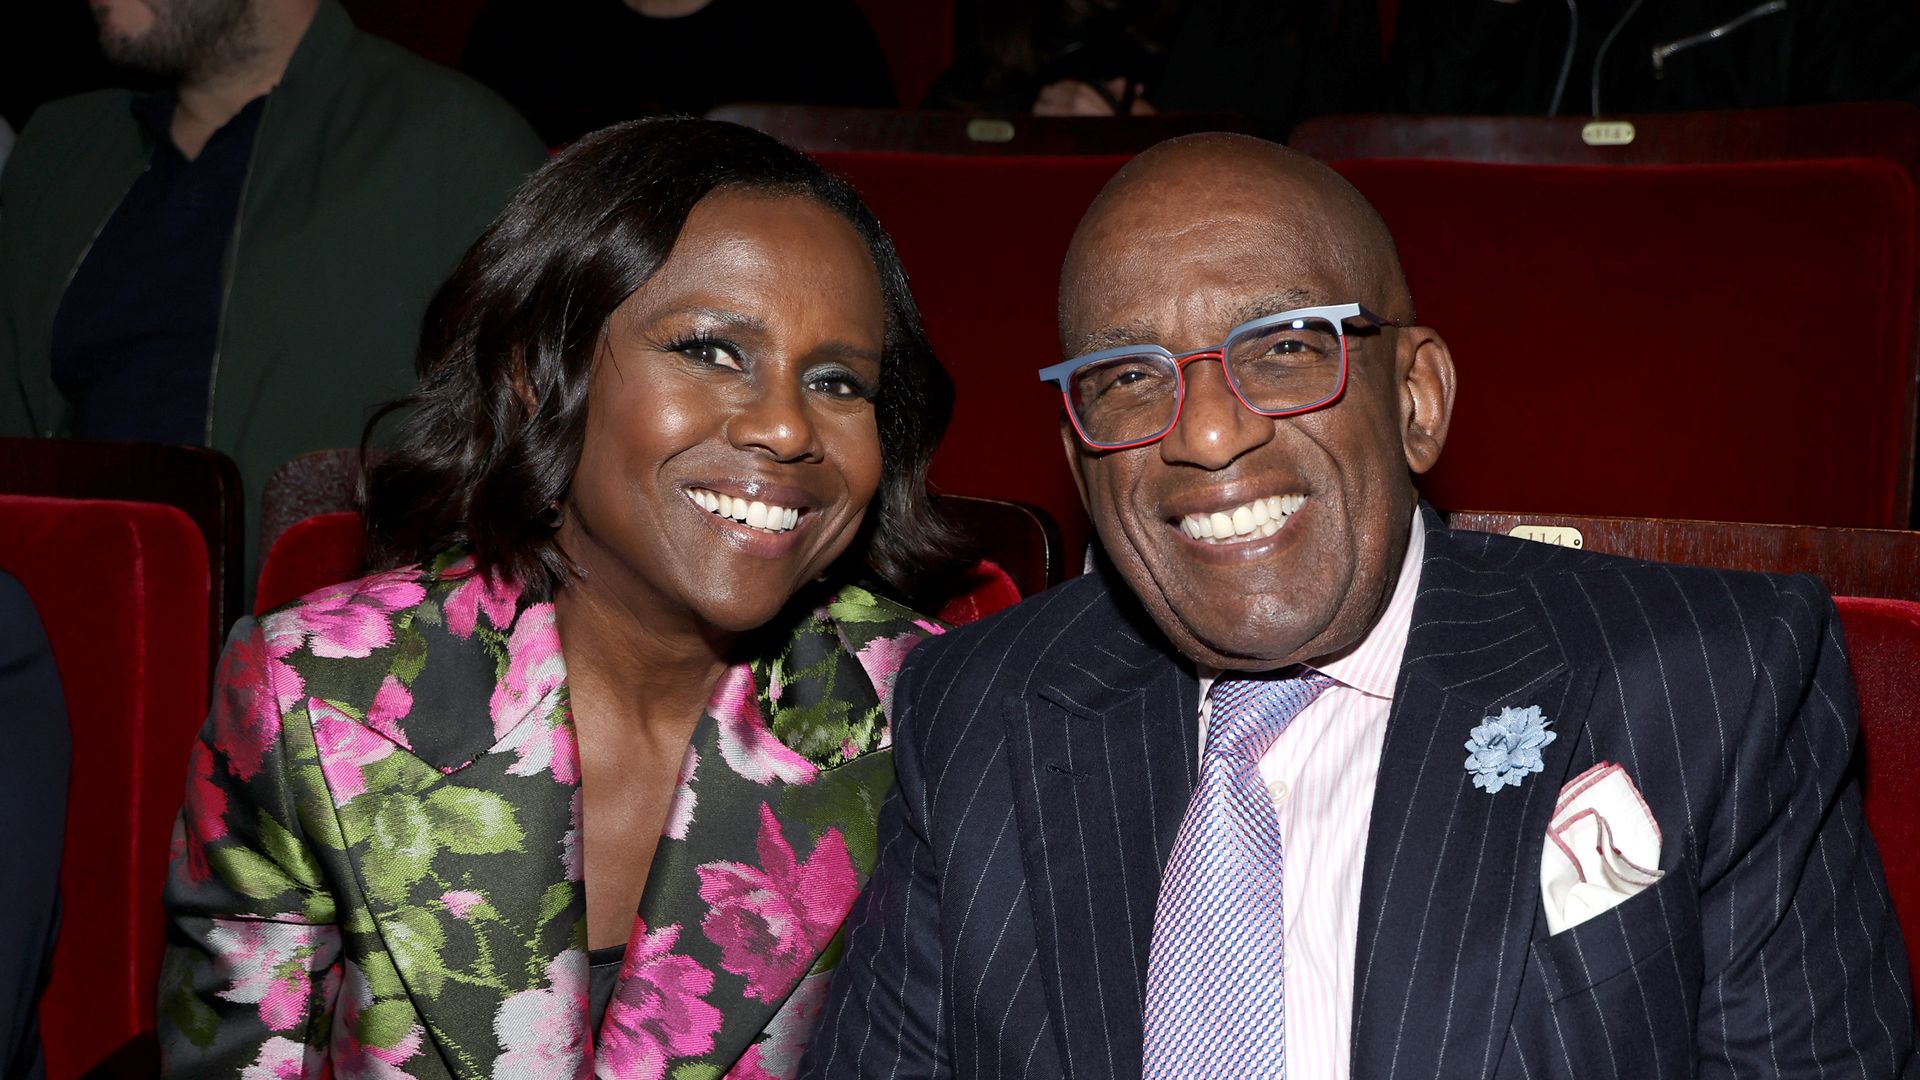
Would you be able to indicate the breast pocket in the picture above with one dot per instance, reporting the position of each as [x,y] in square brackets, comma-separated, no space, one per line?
[1624,986]
[1656,927]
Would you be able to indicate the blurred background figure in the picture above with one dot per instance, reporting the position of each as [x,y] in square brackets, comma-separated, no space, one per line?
[33,801]
[240,257]
[1276,63]
[1586,56]
[573,66]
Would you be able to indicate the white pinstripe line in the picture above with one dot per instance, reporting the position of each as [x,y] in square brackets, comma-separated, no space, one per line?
[1126,890]
[1520,633]
[1433,732]
[1606,1034]
[1027,1070]
[1507,614]
[1485,675]
[1013,999]
[1093,917]
[1053,910]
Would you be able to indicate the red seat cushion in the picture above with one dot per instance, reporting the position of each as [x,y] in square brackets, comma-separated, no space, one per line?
[989,589]
[983,239]
[1721,342]
[1883,647]
[122,588]
[311,554]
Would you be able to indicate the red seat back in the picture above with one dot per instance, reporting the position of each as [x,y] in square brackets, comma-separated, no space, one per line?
[1731,342]
[122,589]
[983,239]
[1883,646]
[309,555]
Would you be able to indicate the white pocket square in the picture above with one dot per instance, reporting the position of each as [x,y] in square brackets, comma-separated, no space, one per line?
[1601,847]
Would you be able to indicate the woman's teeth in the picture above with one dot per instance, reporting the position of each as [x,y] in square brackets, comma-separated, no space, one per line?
[1261,517]
[754,515]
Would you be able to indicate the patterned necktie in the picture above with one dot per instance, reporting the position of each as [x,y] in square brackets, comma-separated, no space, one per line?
[1216,985]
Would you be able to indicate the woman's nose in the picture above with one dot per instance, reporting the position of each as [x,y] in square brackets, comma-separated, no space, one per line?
[778,421]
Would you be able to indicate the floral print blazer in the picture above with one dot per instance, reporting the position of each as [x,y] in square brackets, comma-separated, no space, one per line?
[377,871]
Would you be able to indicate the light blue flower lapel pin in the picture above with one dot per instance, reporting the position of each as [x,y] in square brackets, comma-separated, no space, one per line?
[1504,750]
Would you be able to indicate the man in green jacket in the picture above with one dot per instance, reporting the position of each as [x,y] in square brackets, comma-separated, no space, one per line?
[242,261]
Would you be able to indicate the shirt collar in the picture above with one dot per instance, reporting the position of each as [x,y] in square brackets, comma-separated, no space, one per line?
[1372,666]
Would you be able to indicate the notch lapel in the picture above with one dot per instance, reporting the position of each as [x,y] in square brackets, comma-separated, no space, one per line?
[1451,882]
[1102,749]
[448,748]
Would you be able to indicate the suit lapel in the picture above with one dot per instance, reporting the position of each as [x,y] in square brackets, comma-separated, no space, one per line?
[769,839]
[455,776]
[1450,888]
[1102,748]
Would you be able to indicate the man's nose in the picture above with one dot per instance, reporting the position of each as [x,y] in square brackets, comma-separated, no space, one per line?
[1214,427]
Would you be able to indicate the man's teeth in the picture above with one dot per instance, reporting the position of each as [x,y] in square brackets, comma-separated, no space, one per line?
[754,515]
[1261,517]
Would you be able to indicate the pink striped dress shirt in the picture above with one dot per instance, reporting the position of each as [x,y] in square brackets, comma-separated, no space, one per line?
[1321,773]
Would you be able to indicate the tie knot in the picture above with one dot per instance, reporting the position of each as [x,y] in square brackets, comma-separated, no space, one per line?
[1246,713]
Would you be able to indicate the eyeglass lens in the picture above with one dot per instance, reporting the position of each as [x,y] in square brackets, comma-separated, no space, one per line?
[1291,365]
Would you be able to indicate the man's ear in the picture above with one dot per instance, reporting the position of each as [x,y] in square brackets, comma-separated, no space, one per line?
[1426,396]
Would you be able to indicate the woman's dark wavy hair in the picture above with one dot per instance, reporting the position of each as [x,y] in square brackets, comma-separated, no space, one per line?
[490,437]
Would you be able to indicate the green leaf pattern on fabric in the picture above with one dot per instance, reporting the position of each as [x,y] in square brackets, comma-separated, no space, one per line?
[378,862]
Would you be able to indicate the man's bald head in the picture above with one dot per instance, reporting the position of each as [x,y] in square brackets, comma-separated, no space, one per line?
[1193,239]
[1171,188]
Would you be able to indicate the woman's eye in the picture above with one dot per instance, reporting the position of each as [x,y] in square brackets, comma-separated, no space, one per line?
[840,384]
[710,352]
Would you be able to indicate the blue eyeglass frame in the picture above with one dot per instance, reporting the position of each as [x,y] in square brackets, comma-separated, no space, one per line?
[1338,315]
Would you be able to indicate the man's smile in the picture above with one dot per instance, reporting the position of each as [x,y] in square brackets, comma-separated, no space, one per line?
[1247,521]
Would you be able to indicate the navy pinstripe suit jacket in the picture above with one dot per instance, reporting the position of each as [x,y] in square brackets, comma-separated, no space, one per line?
[1045,757]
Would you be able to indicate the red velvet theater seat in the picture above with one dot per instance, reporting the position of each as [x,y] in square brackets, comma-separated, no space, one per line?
[982,239]
[1733,342]
[122,588]
[1883,646]
[309,555]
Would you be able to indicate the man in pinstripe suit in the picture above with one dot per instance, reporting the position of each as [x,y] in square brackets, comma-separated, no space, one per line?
[1046,756]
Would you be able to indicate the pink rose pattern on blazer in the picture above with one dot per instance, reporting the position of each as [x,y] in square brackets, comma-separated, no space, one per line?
[376,871]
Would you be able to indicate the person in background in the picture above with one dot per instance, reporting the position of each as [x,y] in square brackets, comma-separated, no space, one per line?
[586,782]
[576,65]
[1272,63]
[1581,57]
[33,802]
[239,260]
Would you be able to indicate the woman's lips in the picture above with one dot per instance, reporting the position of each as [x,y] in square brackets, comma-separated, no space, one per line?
[770,517]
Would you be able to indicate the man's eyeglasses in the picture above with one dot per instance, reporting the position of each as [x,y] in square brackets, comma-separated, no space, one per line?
[1277,365]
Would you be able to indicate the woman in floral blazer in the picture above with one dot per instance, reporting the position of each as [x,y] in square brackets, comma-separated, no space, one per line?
[671,402]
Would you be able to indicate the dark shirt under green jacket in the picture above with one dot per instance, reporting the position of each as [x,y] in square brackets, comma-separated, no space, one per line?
[371,172]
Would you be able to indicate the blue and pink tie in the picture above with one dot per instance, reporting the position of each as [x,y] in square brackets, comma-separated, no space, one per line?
[1216,980]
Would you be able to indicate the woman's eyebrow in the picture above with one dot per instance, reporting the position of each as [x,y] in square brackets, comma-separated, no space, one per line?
[725,318]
